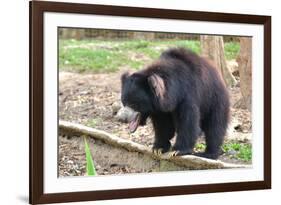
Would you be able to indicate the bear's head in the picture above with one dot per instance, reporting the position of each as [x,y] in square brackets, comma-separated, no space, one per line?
[141,92]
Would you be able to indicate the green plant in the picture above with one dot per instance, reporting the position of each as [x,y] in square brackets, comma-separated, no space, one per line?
[234,149]
[241,151]
[93,122]
[91,170]
[200,147]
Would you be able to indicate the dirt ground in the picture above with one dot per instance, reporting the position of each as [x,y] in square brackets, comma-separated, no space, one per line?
[94,99]
[108,160]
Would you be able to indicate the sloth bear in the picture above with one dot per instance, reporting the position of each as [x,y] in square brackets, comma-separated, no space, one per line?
[182,93]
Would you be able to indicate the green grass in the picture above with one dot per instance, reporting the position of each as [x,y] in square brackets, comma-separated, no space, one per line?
[91,171]
[110,56]
[241,151]
[84,59]
[200,147]
[93,122]
[231,50]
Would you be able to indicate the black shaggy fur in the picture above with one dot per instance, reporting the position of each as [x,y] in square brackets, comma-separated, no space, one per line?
[183,94]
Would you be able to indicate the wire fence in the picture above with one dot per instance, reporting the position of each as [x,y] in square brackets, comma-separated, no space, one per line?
[79,34]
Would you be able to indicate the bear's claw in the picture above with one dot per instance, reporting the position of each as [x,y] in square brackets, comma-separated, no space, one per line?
[173,154]
[157,152]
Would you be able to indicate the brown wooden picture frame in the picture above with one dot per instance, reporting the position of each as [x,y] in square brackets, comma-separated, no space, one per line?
[37,9]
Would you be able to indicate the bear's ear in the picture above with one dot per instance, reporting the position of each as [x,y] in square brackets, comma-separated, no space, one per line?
[157,86]
[124,76]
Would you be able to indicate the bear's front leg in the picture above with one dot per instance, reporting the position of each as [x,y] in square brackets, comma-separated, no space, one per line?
[164,131]
[160,148]
[187,121]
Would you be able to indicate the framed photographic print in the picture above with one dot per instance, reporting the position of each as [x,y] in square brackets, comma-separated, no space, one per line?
[135,102]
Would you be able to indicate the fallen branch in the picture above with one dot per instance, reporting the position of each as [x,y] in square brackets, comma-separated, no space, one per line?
[189,161]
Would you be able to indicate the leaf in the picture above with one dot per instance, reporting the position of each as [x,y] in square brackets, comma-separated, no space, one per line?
[91,171]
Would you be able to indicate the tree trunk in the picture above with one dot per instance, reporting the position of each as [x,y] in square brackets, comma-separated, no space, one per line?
[245,70]
[213,48]
[190,161]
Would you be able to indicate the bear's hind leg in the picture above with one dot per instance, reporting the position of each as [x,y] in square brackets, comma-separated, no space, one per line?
[215,129]
[164,131]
